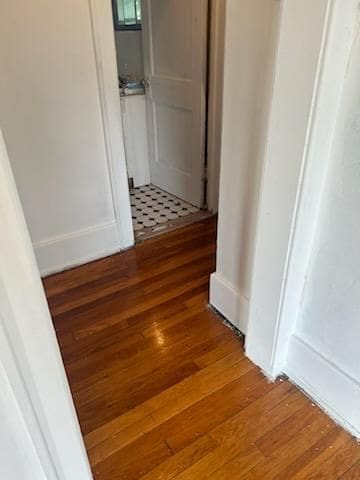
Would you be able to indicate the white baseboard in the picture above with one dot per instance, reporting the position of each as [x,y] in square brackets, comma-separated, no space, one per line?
[229,302]
[66,251]
[333,390]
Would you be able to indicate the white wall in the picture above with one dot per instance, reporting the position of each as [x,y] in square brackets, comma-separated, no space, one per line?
[331,299]
[324,354]
[52,123]
[304,303]
[40,436]
[18,458]
[291,142]
[129,53]
[250,45]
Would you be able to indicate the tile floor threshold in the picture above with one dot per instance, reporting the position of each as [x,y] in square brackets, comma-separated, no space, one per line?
[155,211]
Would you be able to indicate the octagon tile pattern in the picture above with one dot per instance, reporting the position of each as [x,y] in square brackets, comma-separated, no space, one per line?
[152,207]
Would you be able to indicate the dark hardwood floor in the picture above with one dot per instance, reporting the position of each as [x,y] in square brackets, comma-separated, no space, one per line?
[162,388]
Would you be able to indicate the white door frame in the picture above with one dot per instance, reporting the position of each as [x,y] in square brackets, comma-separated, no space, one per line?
[106,69]
[31,367]
[216,46]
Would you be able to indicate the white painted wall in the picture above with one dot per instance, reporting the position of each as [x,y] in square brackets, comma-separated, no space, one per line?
[129,53]
[324,353]
[250,45]
[18,458]
[303,33]
[331,299]
[304,302]
[40,436]
[53,126]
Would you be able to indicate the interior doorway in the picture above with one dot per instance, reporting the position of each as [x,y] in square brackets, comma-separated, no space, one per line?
[162,50]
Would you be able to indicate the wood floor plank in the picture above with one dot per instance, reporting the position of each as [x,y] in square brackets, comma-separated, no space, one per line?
[135,306]
[131,260]
[78,347]
[181,461]
[213,410]
[114,402]
[138,365]
[143,347]
[283,456]
[162,387]
[286,430]
[333,462]
[164,406]
[247,457]
[105,289]
[63,282]
[236,443]
[129,466]
[177,432]
[331,438]
[261,416]
[353,473]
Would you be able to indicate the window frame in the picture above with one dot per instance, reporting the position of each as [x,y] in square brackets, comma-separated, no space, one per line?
[121,26]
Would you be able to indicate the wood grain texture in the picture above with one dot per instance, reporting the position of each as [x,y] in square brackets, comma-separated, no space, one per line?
[163,389]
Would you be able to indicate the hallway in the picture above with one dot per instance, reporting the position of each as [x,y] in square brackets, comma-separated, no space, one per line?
[162,388]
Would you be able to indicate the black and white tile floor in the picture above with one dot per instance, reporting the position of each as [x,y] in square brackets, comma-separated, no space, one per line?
[151,207]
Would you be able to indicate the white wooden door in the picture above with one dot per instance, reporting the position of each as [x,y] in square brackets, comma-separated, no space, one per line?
[174,39]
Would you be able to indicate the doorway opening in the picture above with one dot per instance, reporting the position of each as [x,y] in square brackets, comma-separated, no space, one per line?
[162,54]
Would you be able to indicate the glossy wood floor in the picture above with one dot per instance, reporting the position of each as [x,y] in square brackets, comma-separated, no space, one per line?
[162,388]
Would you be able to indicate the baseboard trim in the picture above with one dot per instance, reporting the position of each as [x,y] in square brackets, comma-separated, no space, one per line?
[67,251]
[231,304]
[334,390]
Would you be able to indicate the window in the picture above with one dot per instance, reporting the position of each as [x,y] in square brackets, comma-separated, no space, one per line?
[127,14]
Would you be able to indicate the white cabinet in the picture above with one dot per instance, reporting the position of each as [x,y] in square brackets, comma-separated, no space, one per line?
[133,109]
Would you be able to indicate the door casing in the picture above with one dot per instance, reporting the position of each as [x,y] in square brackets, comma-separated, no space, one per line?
[106,69]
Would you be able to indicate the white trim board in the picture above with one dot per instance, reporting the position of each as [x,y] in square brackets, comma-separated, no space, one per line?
[215,100]
[106,70]
[229,302]
[67,251]
[333,390]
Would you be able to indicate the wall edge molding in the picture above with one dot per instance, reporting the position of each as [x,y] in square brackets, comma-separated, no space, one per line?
[109,101]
